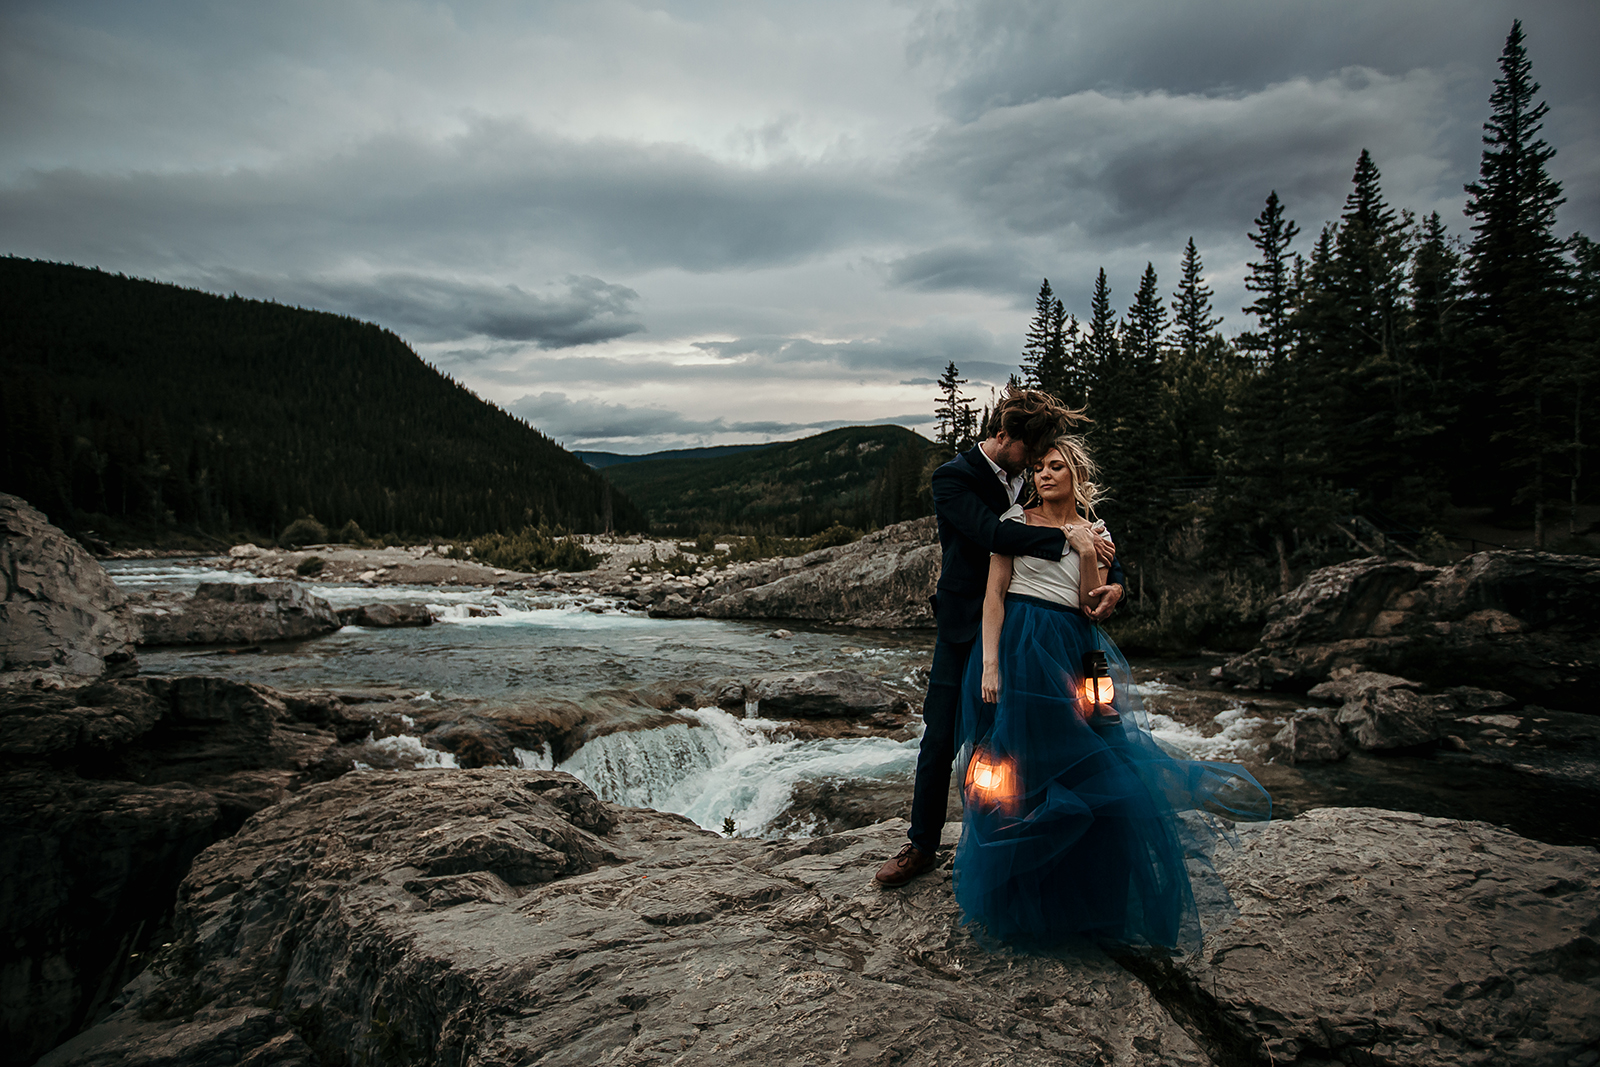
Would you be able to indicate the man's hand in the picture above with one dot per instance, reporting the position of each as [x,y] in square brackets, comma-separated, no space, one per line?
[1104,550]
[1106,598]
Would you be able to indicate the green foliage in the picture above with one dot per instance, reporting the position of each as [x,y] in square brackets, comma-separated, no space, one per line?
[958,423]
[788,489]
[534,548]
[157,405]
[303,531]
[766,546]
[309,566]
[728,826]
[351,533]
[1225,611]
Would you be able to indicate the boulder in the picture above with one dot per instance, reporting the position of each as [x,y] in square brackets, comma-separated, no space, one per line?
[236,613]
[824,694]
[882,581]
[1311,736]
[1382,937]
[386,615]
[62,619]
[1520,623]
[1393,717]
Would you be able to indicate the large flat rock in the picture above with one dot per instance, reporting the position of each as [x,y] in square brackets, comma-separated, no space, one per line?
[1381,937]
[506,917]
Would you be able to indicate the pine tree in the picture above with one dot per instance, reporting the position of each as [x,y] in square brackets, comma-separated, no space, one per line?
[1145,329]
[1036,350]
[1103,355]
[1191,305]
[957,420]
[1373,391]
[1514,273]
[1272,280]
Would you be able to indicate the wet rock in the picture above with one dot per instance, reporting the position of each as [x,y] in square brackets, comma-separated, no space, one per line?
[62,619]
[1370,936]
[475,742]
[1393,717]
[1311,737]
[1514,622]
[656,942]
[236,613]
[1472,700]
[386,615]
[881,581]
[824,694]
[1348,684]
[108,791]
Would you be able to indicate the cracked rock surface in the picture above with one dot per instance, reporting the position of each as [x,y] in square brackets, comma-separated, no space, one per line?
[509,917]
[62,619]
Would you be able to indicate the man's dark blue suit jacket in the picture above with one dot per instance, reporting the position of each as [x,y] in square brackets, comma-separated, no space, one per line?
[968,501]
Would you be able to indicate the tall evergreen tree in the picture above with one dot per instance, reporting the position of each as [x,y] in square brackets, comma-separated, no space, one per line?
[1036,349]
[1102,353]
[954,412]
[1373,391]
[1272,280]
[1192,321]
[1583,363]
[1145,329]
[1514,273]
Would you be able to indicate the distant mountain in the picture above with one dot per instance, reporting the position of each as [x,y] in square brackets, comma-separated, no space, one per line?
[599,460]
[152,406]
[860,476]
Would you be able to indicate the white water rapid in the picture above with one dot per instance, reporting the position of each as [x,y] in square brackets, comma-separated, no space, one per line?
[727,768]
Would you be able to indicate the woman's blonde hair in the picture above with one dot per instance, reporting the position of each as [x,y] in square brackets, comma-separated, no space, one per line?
[1086,493]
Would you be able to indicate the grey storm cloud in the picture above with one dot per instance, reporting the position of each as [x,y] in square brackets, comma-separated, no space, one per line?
[584,310]
[988,269]
[490,190]
[1001,53]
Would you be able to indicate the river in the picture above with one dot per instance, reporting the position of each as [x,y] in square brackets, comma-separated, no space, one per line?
[488,648]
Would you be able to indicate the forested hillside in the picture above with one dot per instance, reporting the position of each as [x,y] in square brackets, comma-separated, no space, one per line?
[145,406]
[858,476]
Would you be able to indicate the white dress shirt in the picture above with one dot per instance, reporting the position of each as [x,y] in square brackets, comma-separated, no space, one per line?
[1012,482]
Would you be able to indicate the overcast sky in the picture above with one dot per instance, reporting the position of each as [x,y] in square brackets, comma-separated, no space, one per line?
[647,226]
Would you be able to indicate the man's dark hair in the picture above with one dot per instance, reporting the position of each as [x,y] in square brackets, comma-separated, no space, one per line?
[1033,416]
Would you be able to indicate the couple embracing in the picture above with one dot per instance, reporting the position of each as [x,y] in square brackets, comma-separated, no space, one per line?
[1076,822]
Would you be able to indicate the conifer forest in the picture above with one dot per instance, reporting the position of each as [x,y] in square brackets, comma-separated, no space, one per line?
[142,410]
[1392,369]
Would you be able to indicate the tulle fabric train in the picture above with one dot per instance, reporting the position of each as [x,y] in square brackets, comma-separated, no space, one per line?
[1079,829]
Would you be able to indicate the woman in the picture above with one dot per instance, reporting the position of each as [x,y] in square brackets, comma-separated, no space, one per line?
[1077,823]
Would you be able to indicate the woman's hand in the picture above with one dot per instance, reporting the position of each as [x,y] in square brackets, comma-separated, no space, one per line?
[1079,537]
[990,685]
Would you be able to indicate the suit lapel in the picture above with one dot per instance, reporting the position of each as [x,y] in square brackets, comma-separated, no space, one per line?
[990,491]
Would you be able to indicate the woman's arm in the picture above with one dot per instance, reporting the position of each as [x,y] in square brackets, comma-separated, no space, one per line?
[1080,539]
[994,615]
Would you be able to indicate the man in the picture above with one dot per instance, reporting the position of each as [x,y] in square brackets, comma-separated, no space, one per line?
[970,493]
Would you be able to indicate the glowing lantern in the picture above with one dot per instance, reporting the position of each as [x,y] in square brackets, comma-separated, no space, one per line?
[1096,692]
[991,782]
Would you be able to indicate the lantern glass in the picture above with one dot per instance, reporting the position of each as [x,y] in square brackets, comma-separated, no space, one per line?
[991,782]
[1097,691]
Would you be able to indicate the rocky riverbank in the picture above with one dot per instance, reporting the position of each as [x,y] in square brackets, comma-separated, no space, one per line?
[509,917]
[882,581]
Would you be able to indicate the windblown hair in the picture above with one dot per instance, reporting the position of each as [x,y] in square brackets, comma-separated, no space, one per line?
[1033,416]
[1086,491]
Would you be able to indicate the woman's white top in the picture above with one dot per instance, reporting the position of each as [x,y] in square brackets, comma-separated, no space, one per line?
[1055,580]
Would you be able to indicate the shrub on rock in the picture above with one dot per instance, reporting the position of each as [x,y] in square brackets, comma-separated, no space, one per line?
[303,531]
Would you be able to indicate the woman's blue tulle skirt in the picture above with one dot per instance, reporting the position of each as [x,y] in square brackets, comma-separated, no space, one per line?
[1077,827]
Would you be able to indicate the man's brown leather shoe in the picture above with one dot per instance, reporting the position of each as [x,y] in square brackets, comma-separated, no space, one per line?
[906,865]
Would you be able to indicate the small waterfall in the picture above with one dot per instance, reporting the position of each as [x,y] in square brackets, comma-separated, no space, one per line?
[653,768]
[727,768]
